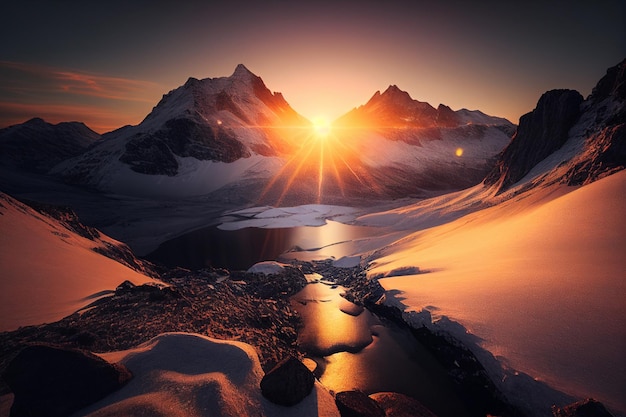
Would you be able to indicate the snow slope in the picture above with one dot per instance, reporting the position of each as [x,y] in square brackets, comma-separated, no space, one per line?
[539,279]
[49,271]
[182,374]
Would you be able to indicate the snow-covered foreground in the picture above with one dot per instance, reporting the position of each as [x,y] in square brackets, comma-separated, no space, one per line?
[48,271]
[182,374]
[539,279]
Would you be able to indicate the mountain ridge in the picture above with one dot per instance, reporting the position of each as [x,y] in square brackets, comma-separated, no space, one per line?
[577,140]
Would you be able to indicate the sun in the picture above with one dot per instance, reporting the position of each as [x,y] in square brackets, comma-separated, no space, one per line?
[321,126]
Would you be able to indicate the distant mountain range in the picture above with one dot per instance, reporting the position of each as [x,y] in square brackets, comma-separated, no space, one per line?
[234,132]
[232,135]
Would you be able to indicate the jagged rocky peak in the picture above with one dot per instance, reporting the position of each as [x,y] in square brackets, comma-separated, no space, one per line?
[243,73]
[596,127]
[613,84]
[243,94]
[394,95]
[540,133]
[446,117]
[604,150]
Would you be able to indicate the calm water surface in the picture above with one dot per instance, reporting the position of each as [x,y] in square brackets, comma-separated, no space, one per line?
[240,249]
[355,350]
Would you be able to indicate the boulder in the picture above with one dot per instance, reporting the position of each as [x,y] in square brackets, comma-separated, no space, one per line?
[400,405]
[50,381]
[287,383]
[357,404]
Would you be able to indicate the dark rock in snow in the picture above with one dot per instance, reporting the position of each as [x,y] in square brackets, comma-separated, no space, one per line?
[400,405]
[584,408]
[540,133]
[49,381]
[357,404]
[287,383]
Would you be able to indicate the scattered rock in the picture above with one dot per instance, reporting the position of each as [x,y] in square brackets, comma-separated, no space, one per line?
[357,404]
[50,381]
[400,405]
[584,408]
[287,383]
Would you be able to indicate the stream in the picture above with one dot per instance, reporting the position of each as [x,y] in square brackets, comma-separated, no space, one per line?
[354,349]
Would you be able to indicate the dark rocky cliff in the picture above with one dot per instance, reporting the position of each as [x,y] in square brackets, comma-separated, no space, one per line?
[540,132]
[600,134]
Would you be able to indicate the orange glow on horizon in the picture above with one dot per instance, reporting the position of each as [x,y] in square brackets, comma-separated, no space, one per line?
[324,160]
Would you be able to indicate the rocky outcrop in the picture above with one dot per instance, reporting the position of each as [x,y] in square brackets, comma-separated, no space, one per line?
[50,381]
[595,130]
[155,153]
[604,151]
[540,133]
[287,383]
[37,146]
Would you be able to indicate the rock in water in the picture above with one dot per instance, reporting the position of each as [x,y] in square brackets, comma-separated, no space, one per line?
[584,408]
[49,381]
[287,383]
[357,404]
[400,405]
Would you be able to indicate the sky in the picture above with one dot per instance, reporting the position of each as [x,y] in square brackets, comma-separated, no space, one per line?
[108,64]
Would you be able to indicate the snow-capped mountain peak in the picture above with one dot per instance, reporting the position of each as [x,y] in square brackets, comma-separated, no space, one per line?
[242,73]
[395,108]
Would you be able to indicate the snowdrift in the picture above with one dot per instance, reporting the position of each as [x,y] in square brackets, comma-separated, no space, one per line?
[49,271]
[540,279]
[182,374]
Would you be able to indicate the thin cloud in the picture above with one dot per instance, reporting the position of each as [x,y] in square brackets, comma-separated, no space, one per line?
[23,79]
[54,94]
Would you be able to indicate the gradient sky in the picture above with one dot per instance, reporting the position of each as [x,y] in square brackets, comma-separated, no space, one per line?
[108,63]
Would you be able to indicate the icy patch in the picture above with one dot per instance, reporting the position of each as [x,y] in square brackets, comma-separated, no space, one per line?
[285,217]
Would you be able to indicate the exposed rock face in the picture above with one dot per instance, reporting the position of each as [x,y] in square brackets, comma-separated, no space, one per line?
[49,381]
[155,153]
[400,405]
[605,147]
[584,408]
[357,404]
[287,383]
[595,130]
[540,133]
[37,146]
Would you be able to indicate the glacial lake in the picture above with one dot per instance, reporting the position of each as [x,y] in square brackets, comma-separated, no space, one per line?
[242,248]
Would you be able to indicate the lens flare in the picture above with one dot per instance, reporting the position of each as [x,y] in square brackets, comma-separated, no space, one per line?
[459,152]
[321,126]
